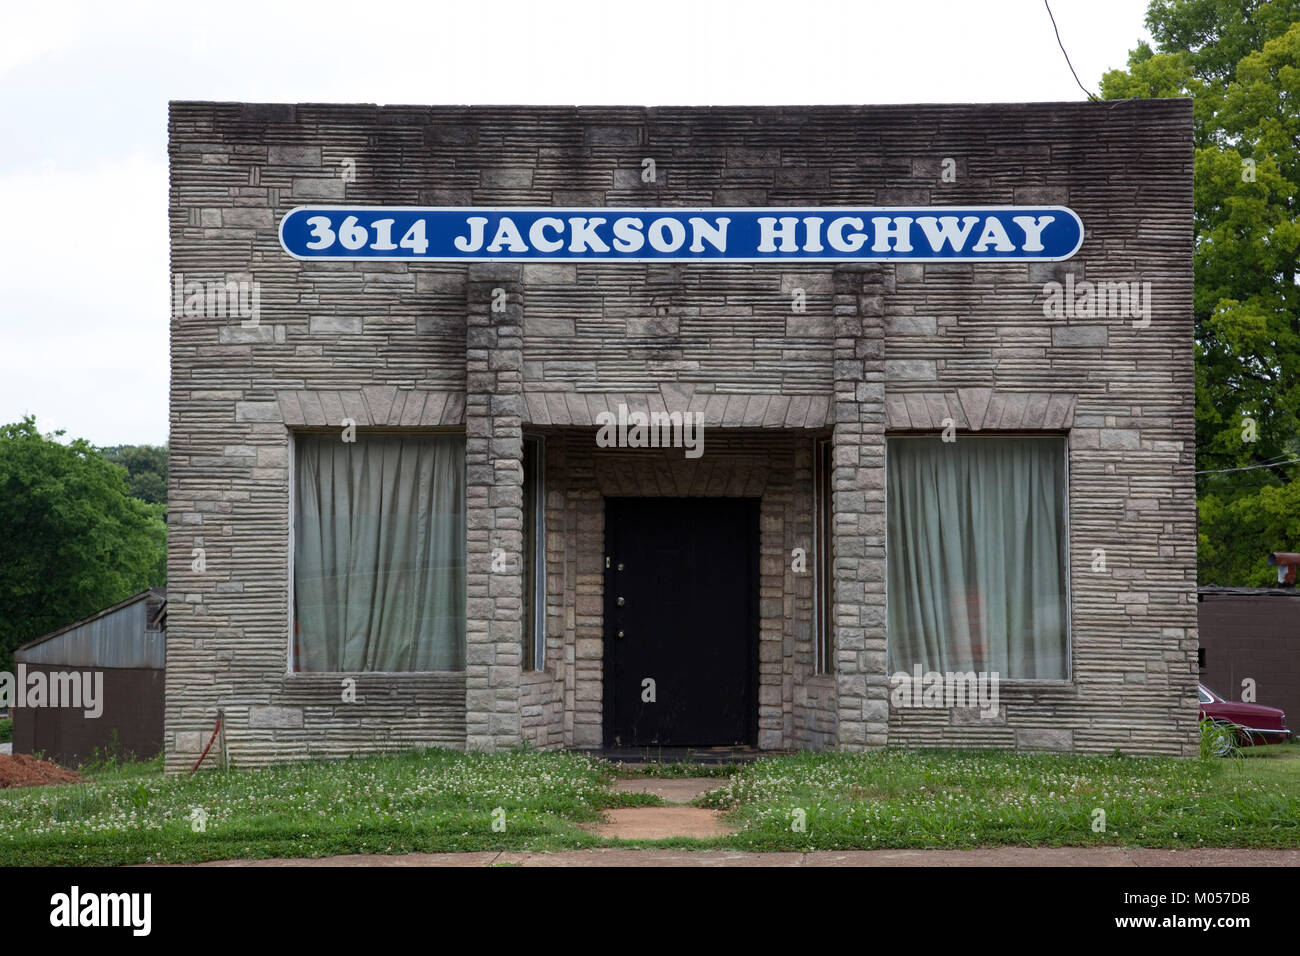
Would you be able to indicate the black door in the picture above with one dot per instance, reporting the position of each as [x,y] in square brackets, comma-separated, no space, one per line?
[681,621]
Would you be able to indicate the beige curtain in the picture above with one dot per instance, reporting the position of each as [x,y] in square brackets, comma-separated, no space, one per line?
[976,555]
[379,554]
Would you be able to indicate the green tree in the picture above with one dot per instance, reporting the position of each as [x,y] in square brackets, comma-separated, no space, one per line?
[146,470]
[72,541]
[1240,61]
[1235,530]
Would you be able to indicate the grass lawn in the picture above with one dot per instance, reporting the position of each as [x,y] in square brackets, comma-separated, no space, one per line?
[429,800]
[899,798]
[444,801]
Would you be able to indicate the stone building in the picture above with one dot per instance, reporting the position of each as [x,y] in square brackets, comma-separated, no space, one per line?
[396,522]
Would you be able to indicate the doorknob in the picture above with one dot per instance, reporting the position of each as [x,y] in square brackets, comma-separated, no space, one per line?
[620,602]
[620,633]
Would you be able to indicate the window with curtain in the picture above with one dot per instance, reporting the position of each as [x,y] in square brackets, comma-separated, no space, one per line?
[977,555]
[379,553]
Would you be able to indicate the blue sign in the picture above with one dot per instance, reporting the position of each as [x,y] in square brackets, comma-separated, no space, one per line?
[707,234]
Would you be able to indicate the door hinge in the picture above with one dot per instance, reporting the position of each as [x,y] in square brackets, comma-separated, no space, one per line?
[606,560]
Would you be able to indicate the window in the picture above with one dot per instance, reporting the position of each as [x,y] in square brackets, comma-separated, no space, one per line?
[977,555]
[379,553]
[823,568]
[534,556]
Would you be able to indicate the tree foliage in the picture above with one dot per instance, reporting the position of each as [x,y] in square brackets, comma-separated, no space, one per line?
[1240,61]
[146,470]
[72,540]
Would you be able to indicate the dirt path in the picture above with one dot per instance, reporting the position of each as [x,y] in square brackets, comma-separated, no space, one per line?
[669,789]
[659,823]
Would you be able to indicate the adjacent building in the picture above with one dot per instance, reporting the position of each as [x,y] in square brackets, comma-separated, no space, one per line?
[94,689]
[1250,644]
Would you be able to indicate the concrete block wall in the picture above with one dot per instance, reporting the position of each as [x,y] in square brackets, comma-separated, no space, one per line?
[494,500]
[704,329]
[858,508]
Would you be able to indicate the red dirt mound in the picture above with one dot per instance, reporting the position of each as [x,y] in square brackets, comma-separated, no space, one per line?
[23,770]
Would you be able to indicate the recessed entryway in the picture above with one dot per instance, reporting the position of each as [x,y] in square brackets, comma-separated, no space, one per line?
[681,621]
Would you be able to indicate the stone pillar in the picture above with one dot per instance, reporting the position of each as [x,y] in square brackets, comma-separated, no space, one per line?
[494,505]
[858,500]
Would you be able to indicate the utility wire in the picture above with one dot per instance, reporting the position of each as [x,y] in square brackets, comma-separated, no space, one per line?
[1091,96]
[1267,464]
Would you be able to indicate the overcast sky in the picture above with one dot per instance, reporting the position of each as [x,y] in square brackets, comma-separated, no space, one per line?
[84,293]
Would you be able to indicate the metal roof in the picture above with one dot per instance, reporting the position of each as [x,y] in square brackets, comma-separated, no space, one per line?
[131,633]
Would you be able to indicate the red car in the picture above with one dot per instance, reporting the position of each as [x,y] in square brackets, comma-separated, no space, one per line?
[1254,723]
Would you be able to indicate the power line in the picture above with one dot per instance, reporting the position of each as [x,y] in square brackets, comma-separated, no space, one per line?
[1267,464]
[1090,95]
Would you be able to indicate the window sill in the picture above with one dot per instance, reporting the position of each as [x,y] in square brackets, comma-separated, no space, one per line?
[1019,683]
[424,688]
[312,679]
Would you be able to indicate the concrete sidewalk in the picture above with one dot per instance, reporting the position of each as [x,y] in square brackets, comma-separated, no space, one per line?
[993,856]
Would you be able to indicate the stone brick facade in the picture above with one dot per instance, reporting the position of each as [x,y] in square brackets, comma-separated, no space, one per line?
[880,348]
